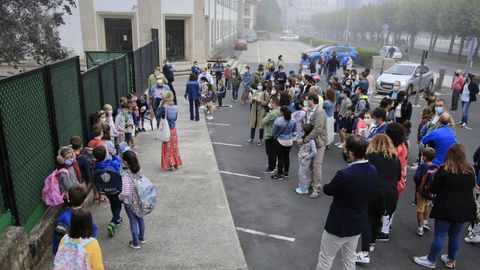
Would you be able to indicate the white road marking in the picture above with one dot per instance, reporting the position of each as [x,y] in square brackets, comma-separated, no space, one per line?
[239,174]
[218,124]
[227,144]
[258,53]
[279,237]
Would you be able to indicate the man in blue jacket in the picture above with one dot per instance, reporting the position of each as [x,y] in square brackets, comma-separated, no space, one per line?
[441,138]
[351,189]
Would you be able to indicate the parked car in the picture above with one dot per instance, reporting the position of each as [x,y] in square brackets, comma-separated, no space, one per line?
[340,50]
[396,55]
[408,74]
[251,37]
[241,44]
[290,37]
[319,48]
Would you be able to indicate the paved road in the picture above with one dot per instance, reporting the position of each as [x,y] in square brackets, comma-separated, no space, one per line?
[263,205]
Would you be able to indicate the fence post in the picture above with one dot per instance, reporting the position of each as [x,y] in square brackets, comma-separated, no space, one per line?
[7,176]
[81,93]
[131,62]
[115,84]
[51,110]
[102,100]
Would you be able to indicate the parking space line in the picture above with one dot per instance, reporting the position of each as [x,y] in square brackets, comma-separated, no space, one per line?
[218,124]
[279,237]
[227,144]
[240,174]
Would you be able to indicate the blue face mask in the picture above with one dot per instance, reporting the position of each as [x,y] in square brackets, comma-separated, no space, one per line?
[438,110]
[69,162]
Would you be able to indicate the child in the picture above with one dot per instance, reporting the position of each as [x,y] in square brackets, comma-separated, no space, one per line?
[423,178]
[113,130]
[305,155]
[109,167]
[81,232]
[131,204]
[209,97]
[143,105]
[108,140]
[85,162]
[97,139]
[77,195]
[221,91]
[97,118]
[426,116]
[65,160]
[124,123]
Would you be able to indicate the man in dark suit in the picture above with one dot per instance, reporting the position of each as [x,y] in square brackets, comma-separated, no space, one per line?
[351,189]
[168,73]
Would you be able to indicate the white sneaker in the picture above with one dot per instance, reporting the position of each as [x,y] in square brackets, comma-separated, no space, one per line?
[338,143]
[423,261]
[372,247]
[474,238]
[420,231]
[448,263]
[362,258]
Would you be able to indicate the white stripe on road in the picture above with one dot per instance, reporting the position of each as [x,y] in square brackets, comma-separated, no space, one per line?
[218,124]
[258,53]
[227,144]
[279,237]
[239,174]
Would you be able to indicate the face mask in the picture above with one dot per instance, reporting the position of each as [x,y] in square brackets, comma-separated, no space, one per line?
[259,88]
[305,103]
[287,84]
[348,83]
[274,92]
[168,63]
[367,121]
[69,162]
[438,110]
[374,122]
[270,105]
[110,112]
[272,79]
[247,70]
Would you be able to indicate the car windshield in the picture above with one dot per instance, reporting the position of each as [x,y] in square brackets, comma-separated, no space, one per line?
[327,49]
[400,70]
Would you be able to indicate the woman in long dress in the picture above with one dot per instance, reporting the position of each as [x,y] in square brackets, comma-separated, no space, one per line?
[171,159]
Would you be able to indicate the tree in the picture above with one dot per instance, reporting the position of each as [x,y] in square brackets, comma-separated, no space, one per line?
[29,30]
[268,16]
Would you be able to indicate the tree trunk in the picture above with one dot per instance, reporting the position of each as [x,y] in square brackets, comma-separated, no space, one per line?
[434,44]
[412,42]
[476,51]
[452,41]
[432,35]
[460,50]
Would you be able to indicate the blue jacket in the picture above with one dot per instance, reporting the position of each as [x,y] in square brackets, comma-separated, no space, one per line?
[440,139]
[378,130]
[168,73]
[247,78]
[171,111]
[192,91]
[196,70]
[63,222]
[114,161]
[351,189]
[329,108]
[283,129]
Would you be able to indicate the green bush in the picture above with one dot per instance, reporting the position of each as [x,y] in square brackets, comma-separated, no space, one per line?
[315,41]
[366,57]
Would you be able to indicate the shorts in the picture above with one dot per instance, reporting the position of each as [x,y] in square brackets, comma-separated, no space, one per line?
[210,103]
[128,137]
[422,203]
[141,117]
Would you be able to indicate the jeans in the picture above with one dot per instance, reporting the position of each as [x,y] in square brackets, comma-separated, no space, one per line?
[194,104]
[303,172]
[252,133]
[329,248]
[115,207]
[156,102]
[137,225]
[455,99]
[283,153]
[271,153]
[235,92]
[442,228]
[465,106]
[330,75]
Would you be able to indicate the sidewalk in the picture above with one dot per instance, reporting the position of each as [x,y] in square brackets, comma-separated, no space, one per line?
[191,227]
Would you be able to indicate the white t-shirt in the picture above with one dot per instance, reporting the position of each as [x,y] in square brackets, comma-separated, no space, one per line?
[465,93]
[398,111]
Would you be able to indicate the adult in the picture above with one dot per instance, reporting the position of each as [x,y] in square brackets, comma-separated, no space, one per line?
[362,101]
[315,90]
[438,109]
[352,189]
[343,116]
[268,121]
[441,138]
[329,108]
[332,66]
[168,73]
[195,69]
[304,65]
[282,133]
[218,68]
[156,92]
[345,62]
[457,86]
[205,74]
[280,76]
[371,81]
[280,61]
[364,125]
[453,184]
[395,90]
[193,94]
[378,119]
[259,100]
[364,82]
[469,95]
[171,159]
[157,74]
[390,52]
[236,81]
[315,116]
[247,80]
[228,77]
[381,153]
[403,108]
[431,98]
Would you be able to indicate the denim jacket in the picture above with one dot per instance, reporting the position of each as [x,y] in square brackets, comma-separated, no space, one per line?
[283,129]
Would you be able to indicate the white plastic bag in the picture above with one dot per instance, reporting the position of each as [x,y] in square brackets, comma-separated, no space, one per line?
[163,133]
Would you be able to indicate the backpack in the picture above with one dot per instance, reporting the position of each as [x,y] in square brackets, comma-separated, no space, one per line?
[51,194]
[424,188]
[146,196]
[72,255]
[87,153]
[367,104]
[107,180]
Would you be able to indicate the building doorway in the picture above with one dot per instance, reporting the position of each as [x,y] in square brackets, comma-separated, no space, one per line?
[118,34]
[175,39]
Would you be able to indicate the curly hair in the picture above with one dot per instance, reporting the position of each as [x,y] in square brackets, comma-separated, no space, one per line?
[396,132]
[382,144]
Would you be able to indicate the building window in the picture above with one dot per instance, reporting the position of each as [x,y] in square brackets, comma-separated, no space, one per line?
[247,10]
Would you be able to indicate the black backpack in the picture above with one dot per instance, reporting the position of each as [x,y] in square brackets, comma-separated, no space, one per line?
[107,180]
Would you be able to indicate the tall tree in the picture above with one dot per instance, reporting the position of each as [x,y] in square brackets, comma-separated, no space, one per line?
[268,16]
[29,30]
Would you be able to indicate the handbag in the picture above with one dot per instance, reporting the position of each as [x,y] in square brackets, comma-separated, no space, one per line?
[163,133]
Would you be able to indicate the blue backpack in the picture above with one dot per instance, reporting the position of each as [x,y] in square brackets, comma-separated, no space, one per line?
[107,180]
[145,196]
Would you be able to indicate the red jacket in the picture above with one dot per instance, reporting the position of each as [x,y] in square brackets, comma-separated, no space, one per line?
[458,82]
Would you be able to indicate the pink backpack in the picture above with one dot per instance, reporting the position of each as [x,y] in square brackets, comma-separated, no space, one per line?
[72,255]
[51,194]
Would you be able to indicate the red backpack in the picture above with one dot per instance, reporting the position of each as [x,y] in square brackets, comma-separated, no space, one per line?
[424,188]
[51,194]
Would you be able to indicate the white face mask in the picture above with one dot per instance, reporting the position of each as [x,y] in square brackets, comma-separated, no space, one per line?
[287,84]
[272,79]
[367,121]
[305,103]
[270,105]
[259,88]
[274,92]
[110,112]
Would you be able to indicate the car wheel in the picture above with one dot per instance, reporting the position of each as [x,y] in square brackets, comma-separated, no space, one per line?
[409,90]
[430,85]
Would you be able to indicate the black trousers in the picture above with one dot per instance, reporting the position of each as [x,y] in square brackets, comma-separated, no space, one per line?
[252,133]
[271,153]
[376,208]
[170,85]
[194,104]
[283,154]
[115,207]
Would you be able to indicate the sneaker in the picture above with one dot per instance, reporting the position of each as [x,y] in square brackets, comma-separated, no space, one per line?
[269,171]
[423,261]
[301,191]
[111,229]
[338,143]
[143,130]
[133,246]
[362,258]
[341,146]
[420,231]
[259,142]
[426,226]
[286,175]
[372,247]
[142,241]
[315,194]
[277,177]
[467,127]
[474,238]
[209,117]
[250,141]
[383,237]
[448,263]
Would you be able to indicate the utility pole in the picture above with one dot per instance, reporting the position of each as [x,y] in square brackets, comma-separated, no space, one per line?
[348,26]
[417,94]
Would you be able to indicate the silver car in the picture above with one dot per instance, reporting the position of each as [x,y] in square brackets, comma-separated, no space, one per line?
[408,74]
